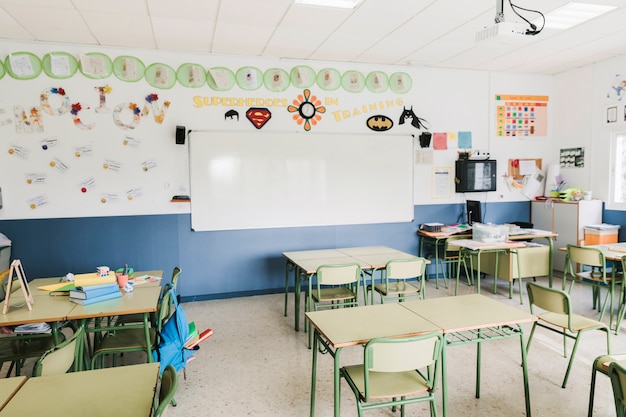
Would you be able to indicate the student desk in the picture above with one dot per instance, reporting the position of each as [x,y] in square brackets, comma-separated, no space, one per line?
[462,319]
[345,327]
[304,265]
[124,391]
[8,388]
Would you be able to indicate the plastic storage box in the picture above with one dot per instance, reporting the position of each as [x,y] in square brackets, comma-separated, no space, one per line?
[599,236]
[490,233]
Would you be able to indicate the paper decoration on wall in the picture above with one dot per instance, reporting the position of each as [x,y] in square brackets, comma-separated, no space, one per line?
[191,75]
[102,94]
[126,107]
[84,150]
[37,202]
[59,65]
[152,102]
[130,141]
[19,151]
[353,81]
[258,116]
[148,165]
[302,76]
[400,82]
[2,70]
[109,198]
[220,79]
[379,123]
[87,184]
[95,65]
[276,80]
[249,78]
[59,165]
[440,141]
[30,123]
[36,178]
[465,140]
[377,82]
[49,143]
[328,79]
[23,65]
[416,122]
[424,139]
[308,109]
[161,76]
[134,193]
[231,114]
[75,109]
[44,99]
[128,68]
[617,88]
[111,165]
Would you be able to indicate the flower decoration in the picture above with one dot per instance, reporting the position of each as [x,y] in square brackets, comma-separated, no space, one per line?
[152,97]
[307,109]
[60,91]
[134,108]
[76,107]
[107,89]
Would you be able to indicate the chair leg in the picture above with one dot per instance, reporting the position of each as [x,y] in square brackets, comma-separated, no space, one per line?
[592,390]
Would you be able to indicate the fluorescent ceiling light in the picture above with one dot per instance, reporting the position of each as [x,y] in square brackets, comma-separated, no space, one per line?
[337,4]
[573,14]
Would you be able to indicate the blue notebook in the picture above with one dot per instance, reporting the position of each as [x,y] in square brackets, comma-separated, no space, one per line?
[92,291]
[87,301]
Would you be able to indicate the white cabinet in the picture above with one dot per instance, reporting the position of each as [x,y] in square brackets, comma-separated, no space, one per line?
[568,219]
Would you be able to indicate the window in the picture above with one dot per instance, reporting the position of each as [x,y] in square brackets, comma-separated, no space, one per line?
[618,184]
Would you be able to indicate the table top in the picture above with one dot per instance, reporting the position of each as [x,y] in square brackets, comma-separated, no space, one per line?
[8,388]
[353,326]
[532,234]
[478,245]
[128,392]
[48,309]
[467,312]
[137,301]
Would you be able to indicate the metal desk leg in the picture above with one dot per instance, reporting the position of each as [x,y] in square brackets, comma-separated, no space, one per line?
[550,260]
[525,370]
[288,267]
[479,349]
[314,372]
[337,383]
[444,380]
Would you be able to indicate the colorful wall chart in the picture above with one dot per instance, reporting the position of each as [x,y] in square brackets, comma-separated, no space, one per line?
[521,116]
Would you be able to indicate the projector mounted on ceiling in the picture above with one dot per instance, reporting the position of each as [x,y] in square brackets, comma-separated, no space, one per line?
[505,32]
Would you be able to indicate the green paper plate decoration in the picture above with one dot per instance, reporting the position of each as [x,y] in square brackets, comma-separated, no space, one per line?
[249,78]
[353,81]
[95,65]
[160,76]
[400,82]
[128,68]
[2,71]
[59,65]
[22,65]
[377,82]
[276,80]
[220,79]
[328,79]
[302,76]
[191,75]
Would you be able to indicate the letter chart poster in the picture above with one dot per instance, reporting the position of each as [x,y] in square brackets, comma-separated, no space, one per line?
[521,116]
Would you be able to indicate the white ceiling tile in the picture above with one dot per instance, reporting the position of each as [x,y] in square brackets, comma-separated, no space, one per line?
[196,37]
[130,30]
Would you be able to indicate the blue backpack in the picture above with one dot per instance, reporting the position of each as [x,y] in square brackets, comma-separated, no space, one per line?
[172,338]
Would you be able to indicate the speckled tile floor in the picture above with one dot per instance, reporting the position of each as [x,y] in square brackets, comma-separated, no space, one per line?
[257,365]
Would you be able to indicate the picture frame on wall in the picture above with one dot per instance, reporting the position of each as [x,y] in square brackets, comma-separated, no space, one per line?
[611,114]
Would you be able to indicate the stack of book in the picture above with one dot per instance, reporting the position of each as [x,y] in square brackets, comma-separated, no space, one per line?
[89,294]
[195,338]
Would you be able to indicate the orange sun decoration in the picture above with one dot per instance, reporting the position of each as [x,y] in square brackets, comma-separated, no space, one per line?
[307,109]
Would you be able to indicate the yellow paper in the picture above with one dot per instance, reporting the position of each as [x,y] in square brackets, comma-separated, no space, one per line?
[53,287]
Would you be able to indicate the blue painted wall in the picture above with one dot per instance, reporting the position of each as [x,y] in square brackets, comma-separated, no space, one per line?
[215,264]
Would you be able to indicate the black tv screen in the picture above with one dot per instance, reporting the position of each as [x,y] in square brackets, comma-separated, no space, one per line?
[475,176]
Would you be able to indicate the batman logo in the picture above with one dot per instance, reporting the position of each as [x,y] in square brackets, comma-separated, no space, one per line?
[379,123]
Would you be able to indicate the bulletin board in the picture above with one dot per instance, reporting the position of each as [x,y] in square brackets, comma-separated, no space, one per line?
[519,168]
[251,180]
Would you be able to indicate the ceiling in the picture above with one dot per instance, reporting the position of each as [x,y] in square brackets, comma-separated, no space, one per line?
[432,33]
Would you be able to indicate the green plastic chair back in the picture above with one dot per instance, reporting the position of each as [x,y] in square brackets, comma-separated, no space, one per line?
[60,359]
[169,384]
[617,373]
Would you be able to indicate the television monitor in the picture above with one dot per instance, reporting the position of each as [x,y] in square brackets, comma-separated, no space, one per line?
[475,175]
[474,214]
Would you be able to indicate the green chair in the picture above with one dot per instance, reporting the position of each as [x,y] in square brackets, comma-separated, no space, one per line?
[169,384]
[600,364]
[553,308]
[17,349]
[132,338]
[336,286]
[617,373]
[396,372]
[60,359]
[394,283]
[622,298]
[588,265]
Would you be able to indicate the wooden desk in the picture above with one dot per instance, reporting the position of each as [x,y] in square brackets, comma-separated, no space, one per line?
[8,388]
[344,327]
[124,391]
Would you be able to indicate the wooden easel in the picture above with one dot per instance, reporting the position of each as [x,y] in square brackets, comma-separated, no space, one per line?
[18,269]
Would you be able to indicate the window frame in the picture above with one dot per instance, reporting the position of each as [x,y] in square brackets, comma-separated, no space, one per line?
[612,203]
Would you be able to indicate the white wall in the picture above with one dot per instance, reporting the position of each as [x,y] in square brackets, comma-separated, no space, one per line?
[449,100]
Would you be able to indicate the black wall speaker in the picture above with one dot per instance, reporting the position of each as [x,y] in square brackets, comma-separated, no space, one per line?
[180,135]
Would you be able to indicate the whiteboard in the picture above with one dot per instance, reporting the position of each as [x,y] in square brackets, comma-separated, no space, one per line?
[251,180]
